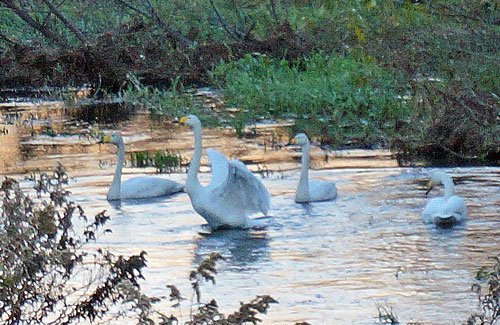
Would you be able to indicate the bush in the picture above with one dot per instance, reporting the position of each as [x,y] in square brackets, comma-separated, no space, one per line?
[42,257]
[43,262]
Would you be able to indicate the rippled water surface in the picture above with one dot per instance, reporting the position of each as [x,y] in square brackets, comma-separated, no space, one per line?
[326,263]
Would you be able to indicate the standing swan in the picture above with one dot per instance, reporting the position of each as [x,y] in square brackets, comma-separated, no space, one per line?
[447,210]
[137,187]
[233,193]
[311,191]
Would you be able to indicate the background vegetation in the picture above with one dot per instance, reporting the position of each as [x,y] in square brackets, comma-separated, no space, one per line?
[420,77]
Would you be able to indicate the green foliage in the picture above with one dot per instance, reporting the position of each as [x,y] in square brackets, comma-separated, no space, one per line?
[172,102]
[336,98]
[163,161]
[372,51]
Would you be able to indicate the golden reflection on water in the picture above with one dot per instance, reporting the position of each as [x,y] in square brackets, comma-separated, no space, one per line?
[31,145]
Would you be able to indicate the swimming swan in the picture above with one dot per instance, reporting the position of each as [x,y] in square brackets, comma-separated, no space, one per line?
[311,191]
[233,193]
[446,210]
[137,187]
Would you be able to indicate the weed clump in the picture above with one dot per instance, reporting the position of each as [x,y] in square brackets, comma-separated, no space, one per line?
[488,294]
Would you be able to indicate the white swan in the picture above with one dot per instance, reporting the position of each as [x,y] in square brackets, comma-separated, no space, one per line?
[446,210]
[315,190]
[233,193]
[137,187]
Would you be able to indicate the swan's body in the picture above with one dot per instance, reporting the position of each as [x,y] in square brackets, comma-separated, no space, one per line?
[233,193]
[137,187]
[311,191]
[446,210]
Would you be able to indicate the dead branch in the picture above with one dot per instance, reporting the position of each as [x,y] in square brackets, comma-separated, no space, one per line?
[153,15]
[234,33]
[6,39]
[24,15]
[273,11]
[79,35]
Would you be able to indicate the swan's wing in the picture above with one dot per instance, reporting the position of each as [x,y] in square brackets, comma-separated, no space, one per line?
[219,166]
[433,206]
[322,190]
[455,206]
[236,185]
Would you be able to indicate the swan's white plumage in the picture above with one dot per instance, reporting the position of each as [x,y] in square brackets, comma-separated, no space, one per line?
[233,193]
[311,191]
[146,187]
[137,187]
[444,210]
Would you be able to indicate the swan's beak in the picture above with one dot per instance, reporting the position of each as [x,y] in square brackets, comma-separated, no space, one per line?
[430,186]
[183,120]
[106,138]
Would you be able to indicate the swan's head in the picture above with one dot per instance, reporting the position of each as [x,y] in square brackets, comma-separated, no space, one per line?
[114,138]
[191,120]
[300,139]
[436,178]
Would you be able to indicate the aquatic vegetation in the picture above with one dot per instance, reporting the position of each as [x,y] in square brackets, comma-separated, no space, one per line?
[386,315]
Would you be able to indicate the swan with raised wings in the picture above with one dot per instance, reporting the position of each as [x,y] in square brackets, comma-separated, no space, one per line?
[447,210]
[311,191]
[137,187]
[233,193]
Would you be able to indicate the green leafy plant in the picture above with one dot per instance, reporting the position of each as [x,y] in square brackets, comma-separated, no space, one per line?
[163,161]
[339,99]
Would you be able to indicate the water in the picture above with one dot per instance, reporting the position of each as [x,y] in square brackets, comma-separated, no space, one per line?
[326,263]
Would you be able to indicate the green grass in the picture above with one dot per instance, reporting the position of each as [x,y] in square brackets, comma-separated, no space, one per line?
[333,97]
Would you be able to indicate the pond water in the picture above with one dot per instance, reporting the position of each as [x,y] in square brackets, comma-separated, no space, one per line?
[325,263]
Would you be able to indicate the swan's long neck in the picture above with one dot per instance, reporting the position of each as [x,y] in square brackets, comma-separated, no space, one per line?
[449,187]
[304,174]
[194,166]
[114,189]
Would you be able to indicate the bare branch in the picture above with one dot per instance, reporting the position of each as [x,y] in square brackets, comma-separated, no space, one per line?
[79,35]
[23,14]
[6,39]
[233,33]
[273,11]
[131,7]
[171,32]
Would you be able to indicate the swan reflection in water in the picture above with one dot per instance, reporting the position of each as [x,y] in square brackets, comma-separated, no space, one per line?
[242,249]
